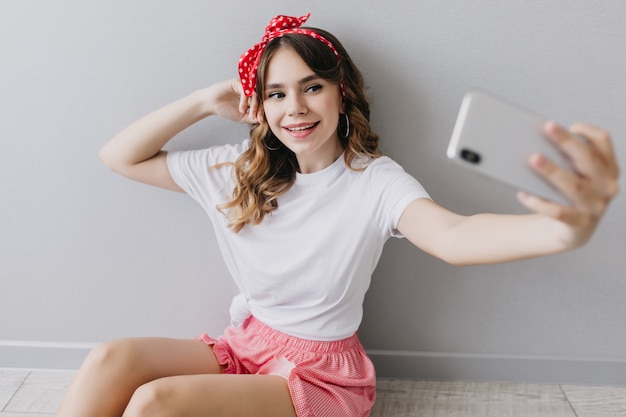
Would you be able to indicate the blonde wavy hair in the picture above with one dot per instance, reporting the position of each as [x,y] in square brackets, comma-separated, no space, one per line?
[266,170]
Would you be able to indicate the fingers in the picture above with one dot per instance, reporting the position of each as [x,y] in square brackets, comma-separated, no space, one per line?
[599,137]
[575,187]
[589,185]
[575,148]
[595,167]
[256,110]
[249,107]
[602,144]
[243,102]
[556,211]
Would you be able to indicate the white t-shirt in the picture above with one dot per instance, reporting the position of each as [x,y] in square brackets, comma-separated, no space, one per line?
[305,268]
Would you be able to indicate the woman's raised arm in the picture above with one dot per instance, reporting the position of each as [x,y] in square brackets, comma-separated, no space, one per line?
[136,151]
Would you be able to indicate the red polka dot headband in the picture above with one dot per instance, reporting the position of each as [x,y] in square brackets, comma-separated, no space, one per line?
[278,26]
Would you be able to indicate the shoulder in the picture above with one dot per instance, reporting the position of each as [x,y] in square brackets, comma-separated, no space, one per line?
[208,157]
[230,152]
[193,170]
[387,177]
[388,188]
[376,167]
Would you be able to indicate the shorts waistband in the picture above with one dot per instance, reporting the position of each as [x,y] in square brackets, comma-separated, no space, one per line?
[317,346]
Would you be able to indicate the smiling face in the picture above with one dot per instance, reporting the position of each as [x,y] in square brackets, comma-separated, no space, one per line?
[302,110]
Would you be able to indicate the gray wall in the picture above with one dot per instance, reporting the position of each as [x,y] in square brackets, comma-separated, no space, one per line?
[87,256]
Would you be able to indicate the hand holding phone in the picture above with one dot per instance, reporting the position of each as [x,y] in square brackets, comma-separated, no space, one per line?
[495,138]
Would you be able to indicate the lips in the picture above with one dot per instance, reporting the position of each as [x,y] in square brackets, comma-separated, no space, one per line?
[300,127]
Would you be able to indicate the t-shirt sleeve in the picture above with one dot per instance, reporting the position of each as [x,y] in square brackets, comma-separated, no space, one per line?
[200,175]
[394,189]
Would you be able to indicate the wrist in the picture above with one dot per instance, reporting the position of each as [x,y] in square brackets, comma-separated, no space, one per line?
[204,102]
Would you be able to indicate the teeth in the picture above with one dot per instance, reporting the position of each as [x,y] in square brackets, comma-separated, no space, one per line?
[300,129]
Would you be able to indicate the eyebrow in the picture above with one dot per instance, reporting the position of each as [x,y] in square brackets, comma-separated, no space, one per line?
[302,81]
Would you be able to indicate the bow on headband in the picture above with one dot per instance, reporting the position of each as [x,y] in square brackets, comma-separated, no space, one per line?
[278,26]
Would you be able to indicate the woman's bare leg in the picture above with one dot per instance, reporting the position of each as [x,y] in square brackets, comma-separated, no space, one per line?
[213,395]
[113,371]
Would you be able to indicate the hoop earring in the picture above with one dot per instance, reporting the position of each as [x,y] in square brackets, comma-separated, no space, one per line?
[269,148]
[339,128]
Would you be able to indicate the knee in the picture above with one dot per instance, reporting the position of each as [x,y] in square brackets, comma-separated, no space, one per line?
[153,399]
[109,356]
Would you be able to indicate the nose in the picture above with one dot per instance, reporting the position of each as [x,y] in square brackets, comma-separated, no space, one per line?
[296,105]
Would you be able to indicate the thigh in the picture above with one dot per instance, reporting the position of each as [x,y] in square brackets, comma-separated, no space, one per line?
[153,358]
[213,395]
[121,366]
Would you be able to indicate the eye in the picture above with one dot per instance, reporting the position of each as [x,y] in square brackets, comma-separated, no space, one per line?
[275,95]
[313,88]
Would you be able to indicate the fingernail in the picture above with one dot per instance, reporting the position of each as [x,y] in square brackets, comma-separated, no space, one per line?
[552,128]
[537,160]
[523,197]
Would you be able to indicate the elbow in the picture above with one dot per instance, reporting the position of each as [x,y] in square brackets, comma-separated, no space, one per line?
[456,260]
[107,157]
[452,255]
[104,157]
[460,262]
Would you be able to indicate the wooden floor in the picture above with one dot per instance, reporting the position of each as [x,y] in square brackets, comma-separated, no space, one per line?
[25,393]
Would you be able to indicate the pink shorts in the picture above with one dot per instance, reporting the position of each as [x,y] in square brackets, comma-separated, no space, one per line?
[325,378]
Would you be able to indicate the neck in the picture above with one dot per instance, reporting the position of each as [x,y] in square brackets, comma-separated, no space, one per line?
[313,163]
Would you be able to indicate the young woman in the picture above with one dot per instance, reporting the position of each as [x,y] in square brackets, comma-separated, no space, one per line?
[301,211]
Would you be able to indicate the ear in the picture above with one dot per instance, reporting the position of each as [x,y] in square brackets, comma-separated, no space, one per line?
[260,116]
[343,96]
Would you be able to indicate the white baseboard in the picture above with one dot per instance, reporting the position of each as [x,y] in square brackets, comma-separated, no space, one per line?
[389,364]
[477,367]
[42,355]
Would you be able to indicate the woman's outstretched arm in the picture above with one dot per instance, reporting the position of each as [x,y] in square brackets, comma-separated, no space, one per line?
[552,228]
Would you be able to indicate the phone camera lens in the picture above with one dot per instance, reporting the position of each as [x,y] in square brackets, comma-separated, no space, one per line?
[470,156]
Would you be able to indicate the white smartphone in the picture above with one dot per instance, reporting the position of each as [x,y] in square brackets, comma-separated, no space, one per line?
[495,138]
